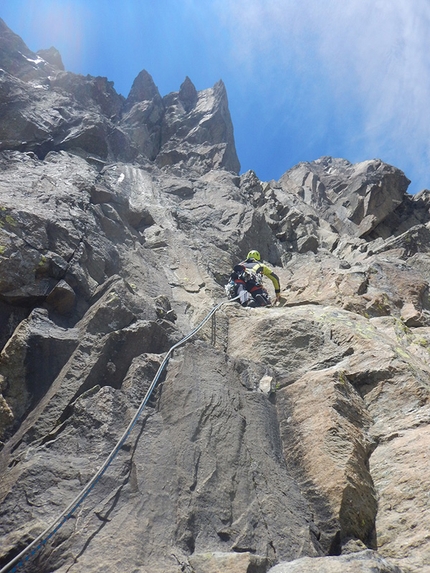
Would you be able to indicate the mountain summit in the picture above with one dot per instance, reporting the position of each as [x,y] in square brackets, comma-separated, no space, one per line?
[286,439]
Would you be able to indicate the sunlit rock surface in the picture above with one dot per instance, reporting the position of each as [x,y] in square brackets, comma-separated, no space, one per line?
[286,439]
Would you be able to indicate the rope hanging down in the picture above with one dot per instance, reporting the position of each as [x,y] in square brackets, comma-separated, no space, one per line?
[52,529]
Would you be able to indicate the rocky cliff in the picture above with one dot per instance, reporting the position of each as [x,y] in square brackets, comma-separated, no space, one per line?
[286,439]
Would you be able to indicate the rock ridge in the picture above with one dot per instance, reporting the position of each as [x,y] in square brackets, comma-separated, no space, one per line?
[56,110]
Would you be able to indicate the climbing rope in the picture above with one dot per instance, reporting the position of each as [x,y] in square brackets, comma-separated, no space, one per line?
[52,529]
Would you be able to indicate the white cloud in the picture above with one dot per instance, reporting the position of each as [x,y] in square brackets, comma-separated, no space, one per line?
[370,56]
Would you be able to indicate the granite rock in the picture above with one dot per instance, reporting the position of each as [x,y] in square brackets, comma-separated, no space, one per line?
[289,438]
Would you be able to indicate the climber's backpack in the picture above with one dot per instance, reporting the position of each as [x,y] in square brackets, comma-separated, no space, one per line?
[242,273]
[248,275]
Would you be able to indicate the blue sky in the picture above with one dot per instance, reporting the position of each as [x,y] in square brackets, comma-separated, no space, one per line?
[305,78]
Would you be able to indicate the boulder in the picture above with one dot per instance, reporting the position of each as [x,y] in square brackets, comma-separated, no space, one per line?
[363,562]
[228,563]
[354,199]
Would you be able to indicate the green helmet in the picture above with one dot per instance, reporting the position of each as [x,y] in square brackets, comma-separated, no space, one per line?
[254,255]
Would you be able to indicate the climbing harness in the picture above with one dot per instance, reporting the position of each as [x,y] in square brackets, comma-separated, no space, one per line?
[52,529]
[253,290]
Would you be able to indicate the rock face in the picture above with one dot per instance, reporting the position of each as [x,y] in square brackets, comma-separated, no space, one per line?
[354,199]
[282,439]
[45,108]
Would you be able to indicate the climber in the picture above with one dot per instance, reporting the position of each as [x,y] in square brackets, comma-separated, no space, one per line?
[247,278]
